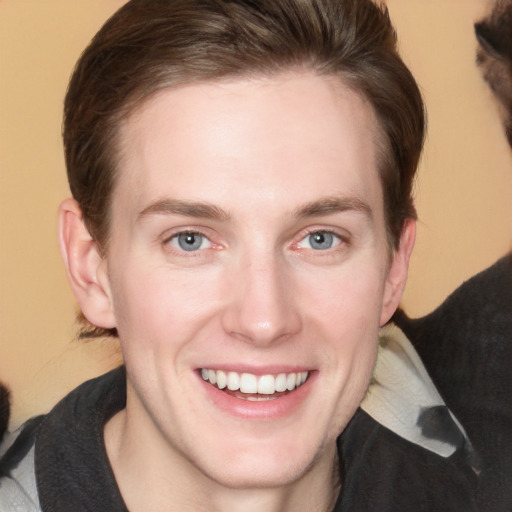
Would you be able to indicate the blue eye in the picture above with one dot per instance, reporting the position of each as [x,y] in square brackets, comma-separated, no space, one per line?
[190,242]
[320,241]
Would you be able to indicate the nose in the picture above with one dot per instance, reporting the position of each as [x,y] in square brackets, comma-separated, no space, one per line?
[261,309]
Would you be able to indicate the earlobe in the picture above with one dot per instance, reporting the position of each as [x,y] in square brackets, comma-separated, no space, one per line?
[397,275]
[85,267]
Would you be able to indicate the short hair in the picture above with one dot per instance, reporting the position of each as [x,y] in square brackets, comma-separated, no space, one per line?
[150,45]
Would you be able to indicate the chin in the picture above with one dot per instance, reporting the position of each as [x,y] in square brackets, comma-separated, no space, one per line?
[253,476]
[261,467]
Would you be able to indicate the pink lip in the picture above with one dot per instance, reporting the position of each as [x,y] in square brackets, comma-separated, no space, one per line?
[264,410]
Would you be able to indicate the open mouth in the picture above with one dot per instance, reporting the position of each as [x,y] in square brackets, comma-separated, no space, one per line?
[248,386]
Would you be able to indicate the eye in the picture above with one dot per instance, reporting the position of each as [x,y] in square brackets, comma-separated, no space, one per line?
[190,241]
[319,241]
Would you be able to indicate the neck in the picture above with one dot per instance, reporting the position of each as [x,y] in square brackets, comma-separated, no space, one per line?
[142,474]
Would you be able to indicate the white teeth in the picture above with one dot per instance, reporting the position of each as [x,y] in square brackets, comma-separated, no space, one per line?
[291,381]
[252,384]
[222,380]
[281,382]
[248,383]
[233,381]
[267,385]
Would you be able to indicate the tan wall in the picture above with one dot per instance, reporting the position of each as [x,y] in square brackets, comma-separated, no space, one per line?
[464,190]
[464,194]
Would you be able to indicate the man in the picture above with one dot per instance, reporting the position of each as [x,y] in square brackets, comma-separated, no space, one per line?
[242,220]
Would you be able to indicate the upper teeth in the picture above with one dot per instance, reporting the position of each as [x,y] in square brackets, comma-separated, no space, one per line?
[249,383]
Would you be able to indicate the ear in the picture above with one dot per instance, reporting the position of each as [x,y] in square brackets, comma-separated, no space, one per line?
[86,269]
[397,273]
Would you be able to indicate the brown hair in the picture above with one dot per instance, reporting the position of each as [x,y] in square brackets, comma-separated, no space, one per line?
[149,45]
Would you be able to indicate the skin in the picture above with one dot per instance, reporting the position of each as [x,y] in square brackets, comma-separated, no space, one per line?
[255,296]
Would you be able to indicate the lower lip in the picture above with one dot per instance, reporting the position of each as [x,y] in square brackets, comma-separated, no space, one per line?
[261,410]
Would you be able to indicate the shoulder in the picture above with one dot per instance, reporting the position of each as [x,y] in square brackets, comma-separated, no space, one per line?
[403,436]
[18,491]
[466,346]
[380,470]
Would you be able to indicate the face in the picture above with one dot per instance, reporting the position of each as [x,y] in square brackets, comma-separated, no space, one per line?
[248,273]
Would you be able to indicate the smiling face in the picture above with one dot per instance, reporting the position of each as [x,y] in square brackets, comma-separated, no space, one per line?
[248,273]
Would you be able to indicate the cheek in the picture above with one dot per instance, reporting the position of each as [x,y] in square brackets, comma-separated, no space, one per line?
[158,305]
[348,296]
[345,313]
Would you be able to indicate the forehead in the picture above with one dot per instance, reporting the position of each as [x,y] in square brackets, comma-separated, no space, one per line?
[286,138]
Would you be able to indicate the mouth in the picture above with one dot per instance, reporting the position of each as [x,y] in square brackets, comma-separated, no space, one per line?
[255,388]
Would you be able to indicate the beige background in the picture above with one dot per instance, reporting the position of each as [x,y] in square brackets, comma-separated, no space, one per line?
[464,191]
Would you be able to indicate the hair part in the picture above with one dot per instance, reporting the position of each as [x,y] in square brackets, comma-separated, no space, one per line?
[151,45]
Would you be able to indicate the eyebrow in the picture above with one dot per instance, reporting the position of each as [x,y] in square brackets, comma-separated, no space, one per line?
[197,209]
[205,210]
[331,205]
